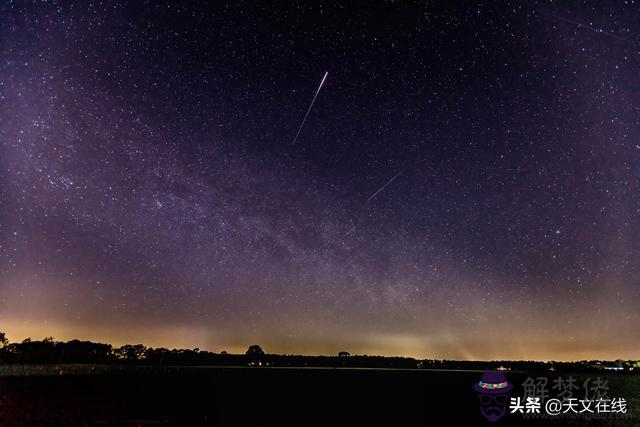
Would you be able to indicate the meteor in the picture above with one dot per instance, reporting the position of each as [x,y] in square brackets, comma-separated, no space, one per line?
[384,186]
[353,228]
[310,106]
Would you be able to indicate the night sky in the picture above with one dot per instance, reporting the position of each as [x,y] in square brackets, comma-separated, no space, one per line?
[466,184]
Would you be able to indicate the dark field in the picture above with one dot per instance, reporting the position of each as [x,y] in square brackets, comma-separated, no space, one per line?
[208,396]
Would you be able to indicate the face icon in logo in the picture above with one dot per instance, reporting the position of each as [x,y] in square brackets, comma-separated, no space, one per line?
[493,389]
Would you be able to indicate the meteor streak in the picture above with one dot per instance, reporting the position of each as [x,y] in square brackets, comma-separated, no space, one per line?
[384,186]
[310,106]
[353,228]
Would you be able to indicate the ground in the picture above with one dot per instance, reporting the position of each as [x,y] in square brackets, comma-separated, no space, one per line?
[210,396]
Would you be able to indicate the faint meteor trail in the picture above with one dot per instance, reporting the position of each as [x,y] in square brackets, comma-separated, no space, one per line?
[310,106]
[384,186]
[353,228]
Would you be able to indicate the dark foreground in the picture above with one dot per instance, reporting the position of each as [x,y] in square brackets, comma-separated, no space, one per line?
[130,396]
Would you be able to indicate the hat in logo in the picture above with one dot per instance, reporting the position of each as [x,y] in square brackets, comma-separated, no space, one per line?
[493,382]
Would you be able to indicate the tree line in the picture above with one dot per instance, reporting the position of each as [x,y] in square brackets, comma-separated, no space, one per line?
[49,351]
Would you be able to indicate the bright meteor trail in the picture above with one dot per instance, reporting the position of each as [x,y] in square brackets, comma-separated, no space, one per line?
[310,106]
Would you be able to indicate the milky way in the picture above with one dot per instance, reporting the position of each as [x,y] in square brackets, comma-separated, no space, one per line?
[150,191]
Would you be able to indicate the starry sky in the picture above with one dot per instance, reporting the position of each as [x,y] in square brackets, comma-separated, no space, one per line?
[466,184]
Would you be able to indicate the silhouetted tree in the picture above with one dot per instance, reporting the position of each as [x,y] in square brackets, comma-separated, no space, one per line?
[255,352]
[344,354]
[4,342]
[76,351]
[35,351]
[131,352]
